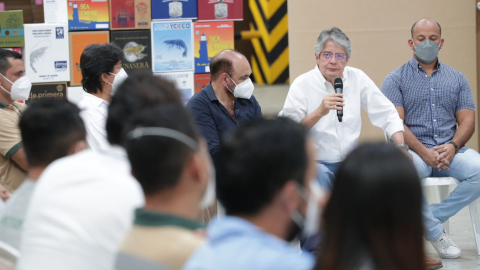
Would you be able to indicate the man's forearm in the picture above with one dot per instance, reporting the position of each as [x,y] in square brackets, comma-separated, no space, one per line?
[412,141]
[312,119]
[464,132]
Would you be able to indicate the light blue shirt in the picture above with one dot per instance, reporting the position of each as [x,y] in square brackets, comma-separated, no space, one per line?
[234,243]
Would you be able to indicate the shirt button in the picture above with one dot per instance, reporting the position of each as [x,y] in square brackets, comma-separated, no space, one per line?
[426,75]
[431,89]
[433,105]
[434,120]
[435,135]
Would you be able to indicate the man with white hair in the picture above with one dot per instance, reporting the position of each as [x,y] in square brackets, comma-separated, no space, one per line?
[313,102]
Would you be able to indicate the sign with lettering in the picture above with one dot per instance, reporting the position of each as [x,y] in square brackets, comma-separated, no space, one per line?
[137,49]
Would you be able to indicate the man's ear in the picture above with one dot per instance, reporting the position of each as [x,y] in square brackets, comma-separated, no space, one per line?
[104,78]
[194,167]
[289,197]
[410,43]
[441,43]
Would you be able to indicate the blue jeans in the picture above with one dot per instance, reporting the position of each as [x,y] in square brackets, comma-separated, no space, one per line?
[466,168]
[326,174]
[326,177]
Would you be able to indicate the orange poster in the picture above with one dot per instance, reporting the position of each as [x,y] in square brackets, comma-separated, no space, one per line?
[78,42]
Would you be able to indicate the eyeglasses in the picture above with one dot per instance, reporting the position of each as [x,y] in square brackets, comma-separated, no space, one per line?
[338,56]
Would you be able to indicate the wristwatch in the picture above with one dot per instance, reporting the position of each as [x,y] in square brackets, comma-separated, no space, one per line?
[403,145]
[454,144]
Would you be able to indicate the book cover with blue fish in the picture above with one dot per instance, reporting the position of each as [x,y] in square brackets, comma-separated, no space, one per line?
[174,9]
[172,45]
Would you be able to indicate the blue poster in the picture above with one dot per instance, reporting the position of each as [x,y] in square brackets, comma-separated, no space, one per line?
[172,44]
[174,9]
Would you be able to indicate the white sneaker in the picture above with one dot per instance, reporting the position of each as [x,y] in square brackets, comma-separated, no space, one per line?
[446,248]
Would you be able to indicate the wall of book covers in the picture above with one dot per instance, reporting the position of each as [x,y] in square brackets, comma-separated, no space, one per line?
[174,38]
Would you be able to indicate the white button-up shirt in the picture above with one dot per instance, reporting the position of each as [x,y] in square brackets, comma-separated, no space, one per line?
[334,140]
[94,115]
[80,211]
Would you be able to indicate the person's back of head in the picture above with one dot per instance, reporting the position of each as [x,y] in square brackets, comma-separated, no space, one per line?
[51,129]
[166,152]
[373,217]
[261,167]
[142,91]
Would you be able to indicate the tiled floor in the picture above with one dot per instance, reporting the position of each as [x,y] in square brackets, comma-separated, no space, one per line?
[272,98]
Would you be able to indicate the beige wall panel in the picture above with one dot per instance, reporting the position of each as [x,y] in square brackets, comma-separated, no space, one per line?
[379,31]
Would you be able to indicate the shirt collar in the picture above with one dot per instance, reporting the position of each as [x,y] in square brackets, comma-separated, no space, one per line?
[157,219]
[230,225]
[210,93]
[414,63]
[323,80]
[94,99]
[3,105]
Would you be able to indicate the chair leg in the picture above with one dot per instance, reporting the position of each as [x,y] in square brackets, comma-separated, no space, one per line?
[475,224]
[442,193]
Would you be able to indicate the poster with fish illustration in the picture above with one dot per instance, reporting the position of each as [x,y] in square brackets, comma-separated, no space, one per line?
[137,49]
[46,53]
[78,42]
[11,29]
[210,38]
[88,15]
[174,9]
[201,80]
[220,10]
[130,14]
[172,45]
[47,90]
[183,82]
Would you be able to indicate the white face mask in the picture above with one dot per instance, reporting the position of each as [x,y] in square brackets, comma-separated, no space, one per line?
[310,223]
[242,90]
[209,195]
[118,80]
[20,88]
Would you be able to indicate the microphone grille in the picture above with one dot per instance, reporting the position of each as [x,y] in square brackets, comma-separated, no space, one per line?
[338,83]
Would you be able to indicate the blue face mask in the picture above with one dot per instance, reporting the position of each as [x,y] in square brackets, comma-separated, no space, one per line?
[427,51]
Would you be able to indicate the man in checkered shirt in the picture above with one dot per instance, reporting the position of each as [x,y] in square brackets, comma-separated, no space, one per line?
[432,98]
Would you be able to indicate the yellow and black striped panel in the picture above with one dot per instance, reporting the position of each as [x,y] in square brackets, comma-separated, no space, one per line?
[270,52]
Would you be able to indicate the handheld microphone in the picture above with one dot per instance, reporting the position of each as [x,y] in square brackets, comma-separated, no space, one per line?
[338,85]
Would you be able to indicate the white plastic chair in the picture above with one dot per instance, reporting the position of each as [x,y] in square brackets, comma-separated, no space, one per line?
[441,185]
[8,256]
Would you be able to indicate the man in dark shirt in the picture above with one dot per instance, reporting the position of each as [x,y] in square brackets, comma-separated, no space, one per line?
[227,101]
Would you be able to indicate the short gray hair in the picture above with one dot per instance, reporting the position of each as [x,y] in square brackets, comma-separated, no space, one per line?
[337,36]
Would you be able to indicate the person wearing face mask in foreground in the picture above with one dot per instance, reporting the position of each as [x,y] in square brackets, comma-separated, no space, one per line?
[83,205]
[433,98]
[266,182]
[102,73]
[227,101]
[170,160]
[14,86]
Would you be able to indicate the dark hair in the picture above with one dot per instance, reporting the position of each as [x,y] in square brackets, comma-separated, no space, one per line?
[374,214]
[257,160]
[97,59]
[50,127]
[157,162]
[413,26]
[4,63]
[142,91]
[220,64]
